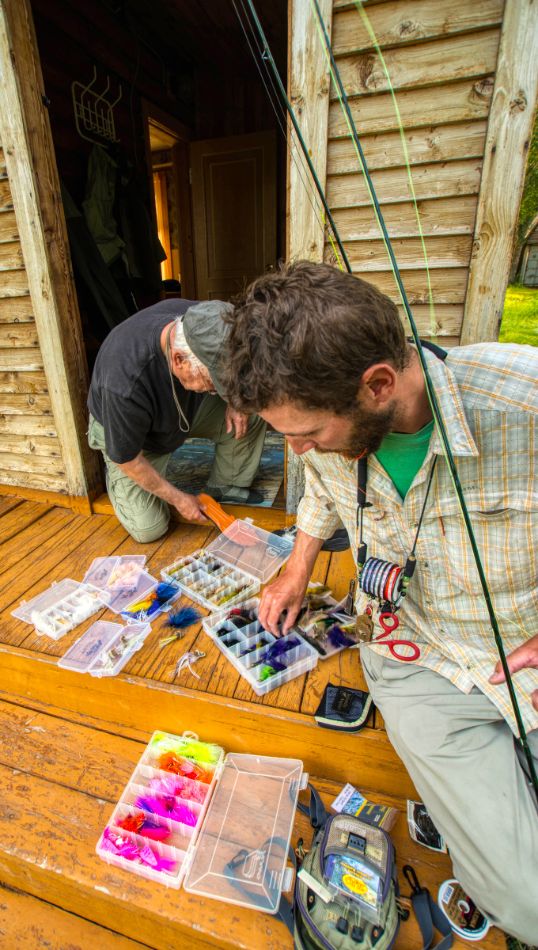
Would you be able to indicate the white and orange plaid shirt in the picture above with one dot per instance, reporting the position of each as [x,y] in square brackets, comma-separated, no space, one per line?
[488,397]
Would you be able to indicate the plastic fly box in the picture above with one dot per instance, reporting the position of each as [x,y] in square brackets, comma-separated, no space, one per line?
[226,837]
[265,661]
[116,573]
[105,648]
[61,607]
[231,568]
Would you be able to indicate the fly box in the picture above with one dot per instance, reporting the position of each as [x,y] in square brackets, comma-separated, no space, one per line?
[105,648]
[221,826]
[61,607]
[265,661]
[231,568]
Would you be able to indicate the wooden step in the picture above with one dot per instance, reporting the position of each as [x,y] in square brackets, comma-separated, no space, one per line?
[60,780]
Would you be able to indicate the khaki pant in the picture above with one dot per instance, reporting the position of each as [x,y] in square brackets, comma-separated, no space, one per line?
[236,462]
[460,753]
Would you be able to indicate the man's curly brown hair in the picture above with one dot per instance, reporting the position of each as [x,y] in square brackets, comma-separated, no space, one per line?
[305,334]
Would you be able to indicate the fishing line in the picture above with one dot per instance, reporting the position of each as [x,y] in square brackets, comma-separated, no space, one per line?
[337,79]
[280,114]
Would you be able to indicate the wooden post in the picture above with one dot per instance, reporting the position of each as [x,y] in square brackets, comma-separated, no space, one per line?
[509,130]
[33,177]
[309,86]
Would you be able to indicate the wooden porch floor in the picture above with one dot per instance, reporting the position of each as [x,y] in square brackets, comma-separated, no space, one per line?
[41,544]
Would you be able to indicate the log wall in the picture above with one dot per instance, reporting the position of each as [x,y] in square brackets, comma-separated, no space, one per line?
[441,60]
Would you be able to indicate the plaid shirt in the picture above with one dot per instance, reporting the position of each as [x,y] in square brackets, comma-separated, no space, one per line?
[488,397]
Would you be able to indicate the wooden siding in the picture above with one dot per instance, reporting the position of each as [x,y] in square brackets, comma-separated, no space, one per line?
[30,453]
[442,65]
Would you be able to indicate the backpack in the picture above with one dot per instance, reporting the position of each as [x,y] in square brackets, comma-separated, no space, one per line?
[324,918]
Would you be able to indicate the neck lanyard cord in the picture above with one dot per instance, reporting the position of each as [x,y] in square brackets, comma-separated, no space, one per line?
[182,418]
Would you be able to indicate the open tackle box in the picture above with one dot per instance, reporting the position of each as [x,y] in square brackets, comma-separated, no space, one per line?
[60,608]
[105,648]
[221,826]
[265,661]
[116,573]
[231,568]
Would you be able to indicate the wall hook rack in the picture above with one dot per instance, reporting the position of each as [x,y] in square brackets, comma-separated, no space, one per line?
[94,112]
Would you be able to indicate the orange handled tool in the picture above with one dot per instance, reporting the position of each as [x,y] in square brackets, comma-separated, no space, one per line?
[238,533]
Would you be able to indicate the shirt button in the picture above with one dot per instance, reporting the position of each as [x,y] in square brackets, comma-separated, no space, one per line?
[379,516]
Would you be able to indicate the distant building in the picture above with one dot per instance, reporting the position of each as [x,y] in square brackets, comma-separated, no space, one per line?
[528,271]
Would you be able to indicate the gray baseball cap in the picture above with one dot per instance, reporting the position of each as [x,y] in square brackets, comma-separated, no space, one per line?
[206,333]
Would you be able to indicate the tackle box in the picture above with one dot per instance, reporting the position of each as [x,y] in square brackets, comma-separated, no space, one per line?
[231,568]
[61,607]
[105,648]
[237,849]
[115,573]
[248,648]
[122,599]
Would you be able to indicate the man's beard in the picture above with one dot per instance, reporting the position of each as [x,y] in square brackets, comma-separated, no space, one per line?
[368,429]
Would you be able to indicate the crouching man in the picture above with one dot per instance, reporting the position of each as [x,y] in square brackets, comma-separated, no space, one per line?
[157,382]
[322,356]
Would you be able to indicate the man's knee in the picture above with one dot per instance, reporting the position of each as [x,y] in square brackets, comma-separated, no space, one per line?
[146,520]
[146,533]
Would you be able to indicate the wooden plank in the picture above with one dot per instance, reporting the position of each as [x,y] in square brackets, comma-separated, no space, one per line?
[10,256]
[442,216]
[440,252]
[23,383]
[14,283]
[27,141]
[399,23]
[21,479]
[31,464]
[33,924]
[6,200]
[75,502]
[8,227]
[18,334]
[446,321]
[448,286]
[439,180]
[28,425]
[7,504]
[424,64]
[23,445]
[24,404]
[15,521]
[16,310]
[453,102]
[29,537]
[509,130]
[308,90]
[438,143]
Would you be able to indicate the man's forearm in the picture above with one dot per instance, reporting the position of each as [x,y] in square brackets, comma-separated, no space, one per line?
[144,474]
[305,552]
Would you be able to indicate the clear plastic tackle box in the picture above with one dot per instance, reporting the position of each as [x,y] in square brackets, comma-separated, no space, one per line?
[116,573]
[226,837]
[105,648]
[265,661]
[231,568]
[60,608]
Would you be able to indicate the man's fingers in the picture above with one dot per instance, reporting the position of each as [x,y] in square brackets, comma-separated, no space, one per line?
[522,657]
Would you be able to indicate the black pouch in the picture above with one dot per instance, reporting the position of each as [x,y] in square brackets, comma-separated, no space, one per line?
[343,708]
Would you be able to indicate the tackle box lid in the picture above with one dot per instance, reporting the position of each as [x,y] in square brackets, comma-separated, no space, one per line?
[122,599]
[53,595]
[241,855]
[251,550]
[115,573]
[87,652]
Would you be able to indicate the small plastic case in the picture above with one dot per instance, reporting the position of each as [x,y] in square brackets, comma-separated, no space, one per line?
[122,599]
[254,652]
[154,827]
[155,602]
[237,849]
[232,567]
[116,573]
[60,608]
[105,648]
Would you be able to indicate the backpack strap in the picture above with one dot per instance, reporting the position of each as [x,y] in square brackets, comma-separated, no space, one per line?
[429,915]
[315,810]
[285,911]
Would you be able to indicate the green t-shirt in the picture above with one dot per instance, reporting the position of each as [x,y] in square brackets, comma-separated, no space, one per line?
[402,453]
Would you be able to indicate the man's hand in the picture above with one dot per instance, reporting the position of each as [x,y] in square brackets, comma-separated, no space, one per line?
[524,657]
[189,507]
[236,422]
[286,593]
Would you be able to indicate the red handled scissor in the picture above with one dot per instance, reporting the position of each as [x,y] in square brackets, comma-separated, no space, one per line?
[389,623]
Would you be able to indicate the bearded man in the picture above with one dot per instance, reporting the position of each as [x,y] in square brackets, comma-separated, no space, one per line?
[322,356]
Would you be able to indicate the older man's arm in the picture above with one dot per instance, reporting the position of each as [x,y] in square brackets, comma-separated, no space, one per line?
[144,474]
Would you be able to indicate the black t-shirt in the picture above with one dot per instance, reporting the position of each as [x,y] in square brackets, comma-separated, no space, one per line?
[131,390]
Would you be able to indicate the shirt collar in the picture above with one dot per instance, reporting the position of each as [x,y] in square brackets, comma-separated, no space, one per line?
[450,402]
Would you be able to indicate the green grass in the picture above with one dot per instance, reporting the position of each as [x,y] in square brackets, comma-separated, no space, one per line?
[520,316]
